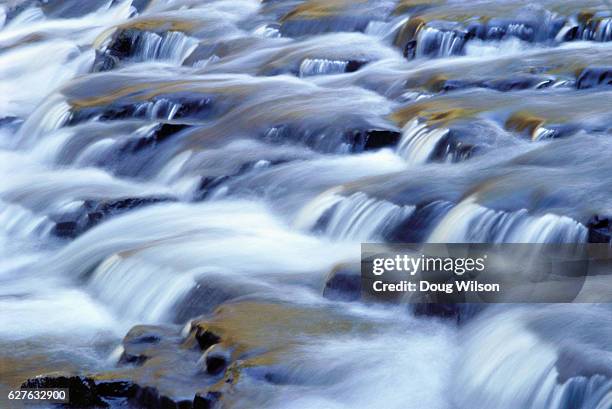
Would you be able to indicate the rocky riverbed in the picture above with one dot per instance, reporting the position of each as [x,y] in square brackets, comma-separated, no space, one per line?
[186,184]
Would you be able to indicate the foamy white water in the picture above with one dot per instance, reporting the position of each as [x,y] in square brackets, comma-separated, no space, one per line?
[160,159]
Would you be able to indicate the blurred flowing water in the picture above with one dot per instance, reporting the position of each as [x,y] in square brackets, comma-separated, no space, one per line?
[153,149]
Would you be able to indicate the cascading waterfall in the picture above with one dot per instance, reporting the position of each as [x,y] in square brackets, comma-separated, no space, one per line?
[318,67]
[532,364]
[473,223]
[168,160]
[439,43]
[171,46]
[419,141]
[356,217]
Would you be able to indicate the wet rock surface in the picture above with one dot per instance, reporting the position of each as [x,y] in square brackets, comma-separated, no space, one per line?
[594,77]
[93,212]
[599,229]
[343,283]
[289,132]
[154,370]
[198,367]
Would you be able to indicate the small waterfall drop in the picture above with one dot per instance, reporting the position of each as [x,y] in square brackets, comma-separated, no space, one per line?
[419,142]
[310,67]
[472,222]
[172,46]
[356,217]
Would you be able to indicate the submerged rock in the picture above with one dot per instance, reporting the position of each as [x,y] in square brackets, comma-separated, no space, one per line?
[208,184]
[594,77]
[93,212]
[421,222]
[135,44]
[163,367]
[428,36]
[334,139]
[216,359]
[586,26]
[514,83]
[599,229]
[317,17]
[160,133]
[82,390]
[167,107]
[154,371]
[210,291]
[141,342]
[343,283]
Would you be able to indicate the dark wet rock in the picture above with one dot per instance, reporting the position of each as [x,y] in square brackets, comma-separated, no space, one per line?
[516,83]
[409,50]
[586,26]
[599,229]
[421,222]
[205,337]
[594,77]
[121,46]
[126,44]
[209,183]
[216,359]
[93,212]
[207,400]
[519,83]
[463,137]
[452,147]
[420,38]
[449,85]
[198,366]
[151,398]
[141,154]
[354,65]
[159,134]
[82,392]
[343,283]
[365,140]
[115,387]
[524,30]
[8,120]
[376,139]
[176,107]
[406,38]
[167,374]
[334,139]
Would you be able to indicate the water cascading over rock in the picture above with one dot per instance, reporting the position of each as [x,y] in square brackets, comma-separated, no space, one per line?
[199,175]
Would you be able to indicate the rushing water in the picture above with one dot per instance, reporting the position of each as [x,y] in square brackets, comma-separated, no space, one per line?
[160,158]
